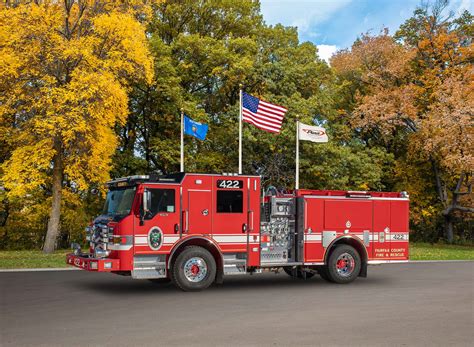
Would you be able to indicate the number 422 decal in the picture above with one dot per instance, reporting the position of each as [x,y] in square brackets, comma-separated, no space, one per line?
[230,184]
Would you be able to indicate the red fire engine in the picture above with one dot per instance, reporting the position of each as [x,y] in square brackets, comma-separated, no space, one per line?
[195,228]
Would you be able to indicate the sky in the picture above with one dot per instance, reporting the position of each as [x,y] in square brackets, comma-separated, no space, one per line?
[335,24]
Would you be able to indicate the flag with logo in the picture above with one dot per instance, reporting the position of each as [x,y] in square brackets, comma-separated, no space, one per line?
[262,114]
[312,133]
[196,129]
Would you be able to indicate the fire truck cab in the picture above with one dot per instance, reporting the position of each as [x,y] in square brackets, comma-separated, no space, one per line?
[194,229]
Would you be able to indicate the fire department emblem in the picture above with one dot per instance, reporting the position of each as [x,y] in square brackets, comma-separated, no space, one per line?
[155,238]
[348,224]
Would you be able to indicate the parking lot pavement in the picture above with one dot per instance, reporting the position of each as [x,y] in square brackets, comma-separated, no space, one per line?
[405,304]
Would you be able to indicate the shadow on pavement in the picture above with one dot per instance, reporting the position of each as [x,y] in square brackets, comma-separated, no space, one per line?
[126,286]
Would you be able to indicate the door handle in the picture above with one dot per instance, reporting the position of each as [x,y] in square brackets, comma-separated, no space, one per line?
[244,228]
[176,228]
[250,220]
[184,222]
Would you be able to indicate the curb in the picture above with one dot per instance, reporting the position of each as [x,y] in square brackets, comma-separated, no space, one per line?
[441,261]
[41,269]
[75,268]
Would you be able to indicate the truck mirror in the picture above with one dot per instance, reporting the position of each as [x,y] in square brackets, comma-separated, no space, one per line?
[145,205]
[146,201]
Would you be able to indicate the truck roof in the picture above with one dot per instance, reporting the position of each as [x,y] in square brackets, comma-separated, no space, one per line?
[170,178]
[350,193]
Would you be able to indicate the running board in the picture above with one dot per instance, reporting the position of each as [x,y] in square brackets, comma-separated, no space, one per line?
[235,264]
[149,266]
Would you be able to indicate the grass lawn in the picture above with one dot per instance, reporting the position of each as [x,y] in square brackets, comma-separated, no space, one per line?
[32,259]
[427,251]
[36,259]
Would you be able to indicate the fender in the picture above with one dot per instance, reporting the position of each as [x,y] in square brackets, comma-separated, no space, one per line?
[201,238]
[364,257]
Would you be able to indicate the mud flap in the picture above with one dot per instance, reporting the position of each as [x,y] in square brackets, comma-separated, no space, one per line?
[363,269]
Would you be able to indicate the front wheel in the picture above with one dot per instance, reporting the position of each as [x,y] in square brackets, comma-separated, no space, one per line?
[194,269]
[343,266]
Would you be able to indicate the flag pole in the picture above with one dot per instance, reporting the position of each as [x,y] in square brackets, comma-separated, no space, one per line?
[182,141]
[240,129]
[297,174]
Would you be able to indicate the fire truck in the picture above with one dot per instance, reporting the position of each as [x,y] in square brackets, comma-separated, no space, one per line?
[195,229]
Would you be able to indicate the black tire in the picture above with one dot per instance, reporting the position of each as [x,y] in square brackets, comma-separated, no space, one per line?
[297,273]
[160,280]
[178,273]
[350,257]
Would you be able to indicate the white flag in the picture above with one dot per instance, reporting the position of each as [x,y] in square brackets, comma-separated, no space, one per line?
[312,133]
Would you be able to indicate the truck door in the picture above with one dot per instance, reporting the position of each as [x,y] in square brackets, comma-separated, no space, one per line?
[160,227]
[253,221]
[199,210]
[230,213]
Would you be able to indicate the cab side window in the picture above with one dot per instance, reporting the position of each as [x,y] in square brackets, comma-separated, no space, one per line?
[230,201]
[162,201]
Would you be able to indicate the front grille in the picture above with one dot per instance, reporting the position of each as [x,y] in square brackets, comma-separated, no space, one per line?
[99,237]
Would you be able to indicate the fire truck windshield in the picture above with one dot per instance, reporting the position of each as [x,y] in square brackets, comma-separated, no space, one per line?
[119,202]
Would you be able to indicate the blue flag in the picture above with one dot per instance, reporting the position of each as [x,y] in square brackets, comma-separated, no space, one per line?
[196,129]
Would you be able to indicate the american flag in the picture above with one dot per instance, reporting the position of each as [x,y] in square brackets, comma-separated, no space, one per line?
[262,114]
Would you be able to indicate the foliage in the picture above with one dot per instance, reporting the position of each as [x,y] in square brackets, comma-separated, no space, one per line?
[92,88]
[202,54]
[65,72]
[413,94]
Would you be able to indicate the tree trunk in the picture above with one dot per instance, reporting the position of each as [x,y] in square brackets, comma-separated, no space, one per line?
[448,229]
[54,217]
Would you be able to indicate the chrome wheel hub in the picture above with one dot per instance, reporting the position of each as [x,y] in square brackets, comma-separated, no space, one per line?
[345,265]
[195,269]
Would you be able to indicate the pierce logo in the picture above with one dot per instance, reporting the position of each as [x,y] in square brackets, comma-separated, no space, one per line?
[313,132]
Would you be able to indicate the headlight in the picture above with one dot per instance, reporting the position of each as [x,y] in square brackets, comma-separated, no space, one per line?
[100,253]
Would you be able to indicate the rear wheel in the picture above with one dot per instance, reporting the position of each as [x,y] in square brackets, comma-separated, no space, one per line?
[194,269]
[344,265]
[297,273]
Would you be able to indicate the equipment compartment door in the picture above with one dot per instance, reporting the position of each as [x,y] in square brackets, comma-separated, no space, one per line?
[381,230]
[200,216]
[313,227]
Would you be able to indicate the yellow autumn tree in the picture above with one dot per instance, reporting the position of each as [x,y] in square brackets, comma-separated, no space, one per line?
[66,67]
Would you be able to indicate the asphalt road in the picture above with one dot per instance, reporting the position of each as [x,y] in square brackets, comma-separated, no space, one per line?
[412,304]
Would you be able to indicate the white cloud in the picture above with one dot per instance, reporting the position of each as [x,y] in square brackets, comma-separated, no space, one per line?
[459,6]
[465,5]
[303,14]
[326,51]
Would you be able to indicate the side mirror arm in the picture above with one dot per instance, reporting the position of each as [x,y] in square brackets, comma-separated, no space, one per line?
[145,206]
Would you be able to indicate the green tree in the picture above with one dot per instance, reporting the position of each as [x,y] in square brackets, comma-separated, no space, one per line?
[203,50]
